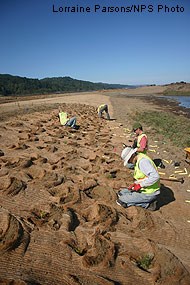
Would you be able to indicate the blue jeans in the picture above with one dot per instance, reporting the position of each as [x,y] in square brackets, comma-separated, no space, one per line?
[71,122]
[137,198]
[130,165]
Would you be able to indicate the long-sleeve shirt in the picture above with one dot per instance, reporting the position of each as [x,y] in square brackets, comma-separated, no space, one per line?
[149,170]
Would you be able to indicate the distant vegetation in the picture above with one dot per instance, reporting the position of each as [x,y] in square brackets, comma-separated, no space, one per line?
[178,89]
[176,93]
[16,85]
[173,127]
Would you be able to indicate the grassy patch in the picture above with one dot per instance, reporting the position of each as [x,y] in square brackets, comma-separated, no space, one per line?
[176,93]
[174,128]
[145,261]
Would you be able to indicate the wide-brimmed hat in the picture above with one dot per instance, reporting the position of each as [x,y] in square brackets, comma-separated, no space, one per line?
[127,153]
[136,126]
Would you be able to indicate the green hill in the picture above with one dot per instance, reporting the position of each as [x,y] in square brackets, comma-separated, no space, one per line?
[16,85]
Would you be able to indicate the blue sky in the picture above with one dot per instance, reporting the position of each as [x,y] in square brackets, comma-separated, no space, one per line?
[113,47]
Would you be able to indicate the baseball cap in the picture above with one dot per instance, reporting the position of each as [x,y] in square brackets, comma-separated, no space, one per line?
[136,126]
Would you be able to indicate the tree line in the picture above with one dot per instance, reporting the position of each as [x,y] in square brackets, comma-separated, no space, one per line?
[16,85]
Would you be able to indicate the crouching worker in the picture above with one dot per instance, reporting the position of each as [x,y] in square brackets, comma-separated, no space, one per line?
[103,108]
[146,187]
[65,121]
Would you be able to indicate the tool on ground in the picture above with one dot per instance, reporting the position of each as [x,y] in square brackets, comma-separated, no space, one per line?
[181,180]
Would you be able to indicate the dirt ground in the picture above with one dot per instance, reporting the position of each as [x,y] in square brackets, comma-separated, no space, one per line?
[60,223]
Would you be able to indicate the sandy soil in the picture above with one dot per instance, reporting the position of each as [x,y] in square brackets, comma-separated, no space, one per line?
[60,223]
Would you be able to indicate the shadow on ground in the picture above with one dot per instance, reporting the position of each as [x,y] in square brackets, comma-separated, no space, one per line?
[166,196]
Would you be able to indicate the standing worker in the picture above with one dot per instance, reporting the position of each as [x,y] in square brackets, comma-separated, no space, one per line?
[146,187]
[103,108]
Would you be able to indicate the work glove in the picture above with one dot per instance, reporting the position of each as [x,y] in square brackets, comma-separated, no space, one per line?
[134,187]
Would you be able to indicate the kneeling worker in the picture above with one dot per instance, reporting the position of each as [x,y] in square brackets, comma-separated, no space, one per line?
[103,108]
[146,188]
[140,141]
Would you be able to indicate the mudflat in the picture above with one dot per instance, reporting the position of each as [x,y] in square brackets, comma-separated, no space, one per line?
[60,223]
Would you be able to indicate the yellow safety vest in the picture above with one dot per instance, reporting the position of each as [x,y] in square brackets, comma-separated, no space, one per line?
[63,118]
[138,175]
[139,139]
[101,106]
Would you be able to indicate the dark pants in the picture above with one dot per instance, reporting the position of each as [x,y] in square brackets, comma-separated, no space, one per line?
[104,109]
